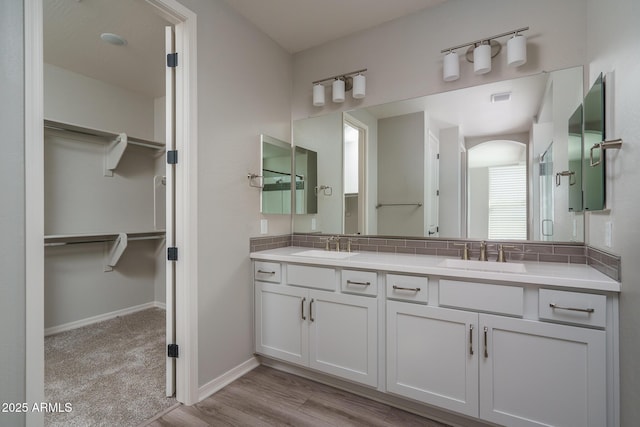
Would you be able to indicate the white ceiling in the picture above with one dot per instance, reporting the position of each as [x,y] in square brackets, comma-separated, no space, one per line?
[297,25]
[72,41]
[72,31]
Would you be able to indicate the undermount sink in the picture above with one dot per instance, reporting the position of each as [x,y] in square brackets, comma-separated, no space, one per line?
[315,253]
[499,267]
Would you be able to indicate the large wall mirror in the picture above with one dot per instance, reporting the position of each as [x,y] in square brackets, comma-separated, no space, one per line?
[478,163]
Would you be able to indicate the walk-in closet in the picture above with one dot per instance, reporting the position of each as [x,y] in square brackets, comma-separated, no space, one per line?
[105,211]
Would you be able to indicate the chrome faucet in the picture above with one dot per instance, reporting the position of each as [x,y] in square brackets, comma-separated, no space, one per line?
[335,239]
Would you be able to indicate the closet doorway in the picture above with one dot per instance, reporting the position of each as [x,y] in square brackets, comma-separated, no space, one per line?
[109,200]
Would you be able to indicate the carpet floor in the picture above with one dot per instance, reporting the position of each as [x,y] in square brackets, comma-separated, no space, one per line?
[112,373]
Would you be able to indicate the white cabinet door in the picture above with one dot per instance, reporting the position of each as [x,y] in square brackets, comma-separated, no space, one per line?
[281,326]
[344,336]
[541,374]
[432,355]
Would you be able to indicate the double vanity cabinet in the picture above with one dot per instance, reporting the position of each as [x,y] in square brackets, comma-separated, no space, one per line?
[537,348]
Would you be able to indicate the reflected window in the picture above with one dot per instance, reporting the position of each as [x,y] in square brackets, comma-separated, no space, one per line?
[497,190]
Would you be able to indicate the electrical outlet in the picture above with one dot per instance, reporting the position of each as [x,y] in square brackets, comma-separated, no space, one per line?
[608,228]
[314,224]
[264,226]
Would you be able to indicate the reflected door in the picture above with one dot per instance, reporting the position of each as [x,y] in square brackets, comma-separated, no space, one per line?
[354,172]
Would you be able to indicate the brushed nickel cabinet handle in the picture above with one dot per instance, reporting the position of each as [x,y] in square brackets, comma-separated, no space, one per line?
[302,309]
[311,311]
[486,347]
[582,310]
[266,272]
[400,288]
[351,282]
[471,340]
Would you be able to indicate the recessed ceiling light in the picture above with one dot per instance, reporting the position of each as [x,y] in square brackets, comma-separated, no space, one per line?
[500,97]
[113,39]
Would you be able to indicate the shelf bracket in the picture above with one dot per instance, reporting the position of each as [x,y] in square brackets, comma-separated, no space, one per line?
[114,152]
[116,251]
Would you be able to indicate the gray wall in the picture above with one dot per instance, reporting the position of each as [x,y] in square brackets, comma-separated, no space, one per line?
[401,143]
[12,211]
[618,51]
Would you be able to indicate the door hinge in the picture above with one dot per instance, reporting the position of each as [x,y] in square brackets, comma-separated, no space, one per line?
[438,156]
[437,192]
[172,157]
[172,253]
[172,60]
[172,350]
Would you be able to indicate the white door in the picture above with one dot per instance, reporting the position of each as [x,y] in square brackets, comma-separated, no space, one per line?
[343,336]
[281,322]
[541,374]
[170,212]
[432,355]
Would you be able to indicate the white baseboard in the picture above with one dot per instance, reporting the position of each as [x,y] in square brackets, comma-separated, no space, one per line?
[158,304]
[228,377]
[101,317]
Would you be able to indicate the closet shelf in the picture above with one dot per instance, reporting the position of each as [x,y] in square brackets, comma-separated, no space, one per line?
[120,242]
[70,239]
[109,136]
[118,142]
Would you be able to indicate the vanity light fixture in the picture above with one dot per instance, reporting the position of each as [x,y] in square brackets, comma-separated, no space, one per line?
[341,83]
[481,52]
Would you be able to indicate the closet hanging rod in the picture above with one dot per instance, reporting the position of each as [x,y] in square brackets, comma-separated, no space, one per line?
[379,205]
[67,127]
[74,239]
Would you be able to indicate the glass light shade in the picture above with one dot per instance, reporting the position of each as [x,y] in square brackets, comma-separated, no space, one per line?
[359,86]
[482,59]
[318,95]
[451,67]
[517,51]
[338,90]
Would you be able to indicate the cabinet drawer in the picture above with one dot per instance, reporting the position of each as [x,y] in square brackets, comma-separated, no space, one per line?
[360,282]
[572,307]
[482,297]
[407,288]
[311,277]
[267,271]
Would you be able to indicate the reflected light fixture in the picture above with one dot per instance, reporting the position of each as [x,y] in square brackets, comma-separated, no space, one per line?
[481,52]
[341,84]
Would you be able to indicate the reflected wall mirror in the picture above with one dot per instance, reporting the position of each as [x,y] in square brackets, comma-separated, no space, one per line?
[276,176]
[425,163]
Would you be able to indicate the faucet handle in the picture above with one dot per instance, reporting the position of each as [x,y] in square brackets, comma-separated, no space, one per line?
[465,250]
[501,248]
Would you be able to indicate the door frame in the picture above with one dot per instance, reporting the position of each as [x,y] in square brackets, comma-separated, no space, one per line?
[184,21]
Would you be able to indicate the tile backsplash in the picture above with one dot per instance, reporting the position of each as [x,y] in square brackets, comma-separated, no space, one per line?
[574,253]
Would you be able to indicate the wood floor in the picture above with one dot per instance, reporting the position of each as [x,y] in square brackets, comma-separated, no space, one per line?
[267,397]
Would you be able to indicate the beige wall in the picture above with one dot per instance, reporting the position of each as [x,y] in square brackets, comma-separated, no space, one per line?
[613,47]
[12,212]
[404,60]
[244,89]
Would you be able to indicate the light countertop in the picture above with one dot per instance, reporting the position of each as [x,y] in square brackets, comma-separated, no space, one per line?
[579,276]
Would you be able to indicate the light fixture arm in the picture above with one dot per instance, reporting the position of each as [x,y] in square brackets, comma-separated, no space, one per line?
[477,42]
[340,76]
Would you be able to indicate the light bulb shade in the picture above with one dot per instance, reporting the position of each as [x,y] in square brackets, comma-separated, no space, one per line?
[482,59]
[318,95]
[338,90]
[359,86]
[451,67]
[517,51]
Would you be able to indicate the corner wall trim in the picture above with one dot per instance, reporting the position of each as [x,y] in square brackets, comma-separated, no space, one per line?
[227,378]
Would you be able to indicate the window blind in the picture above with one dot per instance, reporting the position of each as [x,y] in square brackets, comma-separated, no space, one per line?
[508,202]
